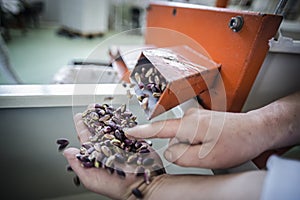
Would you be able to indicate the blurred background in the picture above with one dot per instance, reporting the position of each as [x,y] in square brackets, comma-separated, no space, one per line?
[40,37]
[44,43]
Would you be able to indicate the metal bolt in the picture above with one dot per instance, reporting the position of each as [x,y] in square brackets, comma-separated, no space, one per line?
[174,12]
[236,23]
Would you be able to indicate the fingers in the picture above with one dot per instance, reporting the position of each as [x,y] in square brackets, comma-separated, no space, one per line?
[82,131]
[161,129]
[91,106]
[184,129]
[70,155]
[84,174]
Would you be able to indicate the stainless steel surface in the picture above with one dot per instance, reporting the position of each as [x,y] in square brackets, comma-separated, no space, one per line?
[20,96]
[280,7]
[278,76]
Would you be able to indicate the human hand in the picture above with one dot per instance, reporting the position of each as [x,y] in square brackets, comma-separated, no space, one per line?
[208,139]
[99,180]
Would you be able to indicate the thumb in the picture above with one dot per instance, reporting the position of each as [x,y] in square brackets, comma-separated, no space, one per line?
[70,154]
[184,155]
[160,129]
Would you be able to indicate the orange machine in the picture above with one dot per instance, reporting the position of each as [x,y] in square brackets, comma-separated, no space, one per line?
[238,40]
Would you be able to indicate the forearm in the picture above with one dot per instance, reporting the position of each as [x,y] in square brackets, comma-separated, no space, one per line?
[278,123]
[234,186]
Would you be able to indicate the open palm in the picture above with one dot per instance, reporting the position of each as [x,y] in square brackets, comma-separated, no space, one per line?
[115,183]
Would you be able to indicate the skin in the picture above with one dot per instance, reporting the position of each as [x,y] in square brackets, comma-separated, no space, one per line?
[210,187]
[163,186]
[241,137]
[99,180]
[222,140]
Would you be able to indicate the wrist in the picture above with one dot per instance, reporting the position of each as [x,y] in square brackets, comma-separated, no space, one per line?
[141,190]
[256,121]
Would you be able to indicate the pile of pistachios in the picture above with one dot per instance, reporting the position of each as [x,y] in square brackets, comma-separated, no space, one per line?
[108,144]
[150,80]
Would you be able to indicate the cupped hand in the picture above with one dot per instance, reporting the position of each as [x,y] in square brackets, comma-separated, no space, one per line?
[99,180]
[207,139]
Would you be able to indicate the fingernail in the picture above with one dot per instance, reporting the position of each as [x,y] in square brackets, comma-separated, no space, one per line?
[168,155]
[127,134]
[125,130]
[66,151]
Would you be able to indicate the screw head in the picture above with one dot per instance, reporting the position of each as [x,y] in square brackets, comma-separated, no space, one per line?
[236,23]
